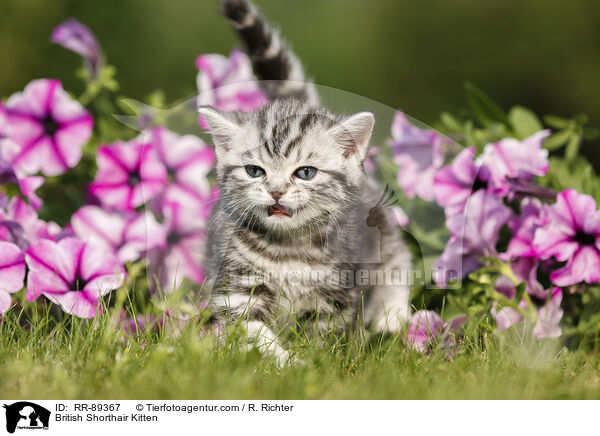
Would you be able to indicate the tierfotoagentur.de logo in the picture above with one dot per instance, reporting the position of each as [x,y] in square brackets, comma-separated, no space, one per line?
[25,415]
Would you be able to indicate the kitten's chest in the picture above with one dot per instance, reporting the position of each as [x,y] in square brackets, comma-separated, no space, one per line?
[295,280]
[302,275]
[292,271]
[298,289]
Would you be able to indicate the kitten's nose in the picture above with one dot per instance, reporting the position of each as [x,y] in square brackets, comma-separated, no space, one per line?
[277,195]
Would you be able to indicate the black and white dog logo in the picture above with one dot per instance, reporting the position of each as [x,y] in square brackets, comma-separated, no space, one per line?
[26,415]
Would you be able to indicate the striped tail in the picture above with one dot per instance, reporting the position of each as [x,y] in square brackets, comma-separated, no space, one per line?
[272,61]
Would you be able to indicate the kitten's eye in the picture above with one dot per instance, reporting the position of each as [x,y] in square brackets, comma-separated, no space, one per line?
[305,173]
[254,171]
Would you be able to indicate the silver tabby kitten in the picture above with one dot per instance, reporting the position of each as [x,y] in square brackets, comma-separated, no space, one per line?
[295,224]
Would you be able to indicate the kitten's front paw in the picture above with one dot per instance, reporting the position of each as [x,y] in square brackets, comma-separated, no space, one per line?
[393,322]
[283,358]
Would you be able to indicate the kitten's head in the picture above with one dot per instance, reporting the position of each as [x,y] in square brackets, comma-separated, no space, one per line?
[288,165]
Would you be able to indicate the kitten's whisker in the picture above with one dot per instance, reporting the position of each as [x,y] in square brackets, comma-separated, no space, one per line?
[223,218]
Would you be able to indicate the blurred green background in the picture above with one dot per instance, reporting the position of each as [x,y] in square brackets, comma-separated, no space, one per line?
[414,55]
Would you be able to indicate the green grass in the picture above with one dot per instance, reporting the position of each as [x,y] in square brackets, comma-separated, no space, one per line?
[72,358]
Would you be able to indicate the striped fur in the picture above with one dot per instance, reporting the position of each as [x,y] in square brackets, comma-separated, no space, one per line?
[278,67]
[275,270]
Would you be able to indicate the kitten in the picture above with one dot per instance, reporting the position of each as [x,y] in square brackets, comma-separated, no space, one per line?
[294,224]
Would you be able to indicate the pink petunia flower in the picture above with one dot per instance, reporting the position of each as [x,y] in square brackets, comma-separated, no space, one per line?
[72,274]
[12,273]
[400,217]
[227,84]
[20,224]
[426,329]
[549,316]
[506,316]
[571,233]
[167,323]
[129,174]
[8,147]
[27,185]
[419,154]
[454,183]
[525,269]
[49,126]
[8,150]
[521,252]
[506,166]
[77,37]
[523,229]
[510,158]
[126,235]
[474,235]
[139,323]
[187,160]
[183,255]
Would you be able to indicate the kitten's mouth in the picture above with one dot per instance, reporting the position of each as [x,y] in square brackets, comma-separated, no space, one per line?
[278,210]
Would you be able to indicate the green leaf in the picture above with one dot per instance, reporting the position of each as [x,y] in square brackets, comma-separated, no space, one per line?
[484,109]
[494,133]
[577,173]
[591,133]
[557,140]
[524,122]
[589,324]
[429,239]
[520,290]
[572,149]
[470,138]
[450,122]
[556,122]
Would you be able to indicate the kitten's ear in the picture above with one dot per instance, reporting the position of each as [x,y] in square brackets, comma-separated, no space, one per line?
[354,133]
[221,126]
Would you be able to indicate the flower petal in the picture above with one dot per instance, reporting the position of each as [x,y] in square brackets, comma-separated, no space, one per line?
[36,98]
[505,317]
[228,83]
[549,317]
[583,267]
[453,184]
[76,303]
[77,37]
[12,268]
[102,269]
[91,223]
[574,207]
[5,302]
[142,233]
[418,154]
[52,266]
[424,326]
